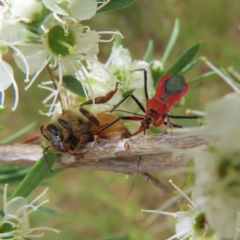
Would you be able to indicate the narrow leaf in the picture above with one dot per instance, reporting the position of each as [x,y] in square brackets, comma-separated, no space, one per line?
[35,176]
[114,5]
[190,65]
[227,74]
[52,212]
[74,85]
[19,133]
[230,77]
[149,52]
[205,75]
[16,175]
[171,41]
[184,59]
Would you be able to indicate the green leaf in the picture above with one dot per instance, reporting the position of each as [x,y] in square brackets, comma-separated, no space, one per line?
[116,238]
[149,52]
[190,66]
[7,227]
[74,85]
[114,5]
[35,176]
[183,60]
[129,92]
[14,176]
[227,74]
[171,41]
[227,78]
[19,133]
[52,212]
[205,75]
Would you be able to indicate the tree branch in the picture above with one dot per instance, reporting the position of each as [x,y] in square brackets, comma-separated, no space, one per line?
[159,152]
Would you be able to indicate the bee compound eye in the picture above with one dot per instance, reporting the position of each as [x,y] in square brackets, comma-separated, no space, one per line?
[63,123]
[174,84]
[53,129]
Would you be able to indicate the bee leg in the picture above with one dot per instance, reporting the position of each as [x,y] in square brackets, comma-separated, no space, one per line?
[89,116]
[66,126]
[45,159]
[77,155]
[80,155]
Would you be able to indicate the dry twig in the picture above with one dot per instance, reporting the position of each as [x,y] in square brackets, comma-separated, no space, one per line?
[159,152]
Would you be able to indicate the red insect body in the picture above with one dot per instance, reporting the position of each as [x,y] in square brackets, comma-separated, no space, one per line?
[170,98]
[168,92]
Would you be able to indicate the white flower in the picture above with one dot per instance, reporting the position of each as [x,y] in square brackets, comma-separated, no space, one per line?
[15,222]
[11,29]
[67,98]
[27,10]
[55,40]
[78,9]
[217,183]
[129,73]
[62,51]
[190,224]
[7,79]
[157,65]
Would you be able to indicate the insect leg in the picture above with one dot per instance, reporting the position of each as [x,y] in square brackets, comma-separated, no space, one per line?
[184,117]
[173,125]
[45,158]
[131,118]
[102,99]
[145,81]
[135,100]
[89,116]
[187,117]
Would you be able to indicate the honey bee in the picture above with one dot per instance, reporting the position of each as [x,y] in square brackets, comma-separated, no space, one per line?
[69,131]
[114,129]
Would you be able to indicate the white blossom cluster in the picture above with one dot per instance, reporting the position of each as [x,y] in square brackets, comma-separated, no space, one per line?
[213,211]
[50,34]
[217,168]
[15,221]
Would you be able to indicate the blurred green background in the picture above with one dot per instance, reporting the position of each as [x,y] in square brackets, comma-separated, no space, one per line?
[92,202]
